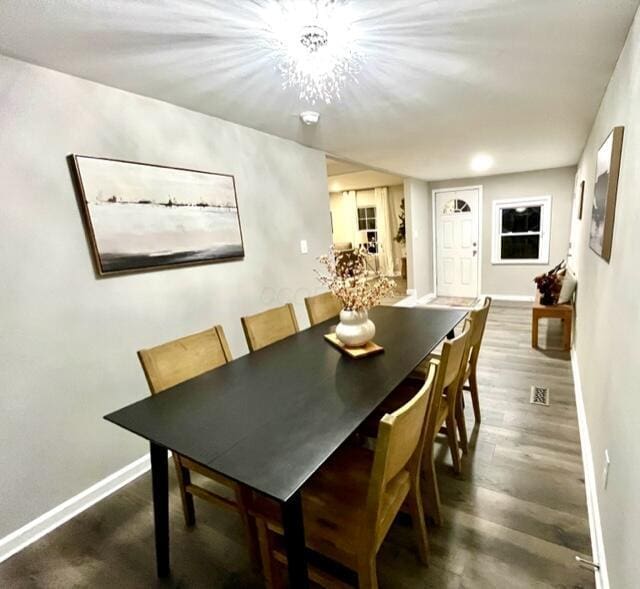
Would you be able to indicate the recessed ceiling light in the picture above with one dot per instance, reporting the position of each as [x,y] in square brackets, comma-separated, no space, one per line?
[481,162]
[310,117]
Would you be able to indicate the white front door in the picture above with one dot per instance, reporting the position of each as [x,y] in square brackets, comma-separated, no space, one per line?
[457,233]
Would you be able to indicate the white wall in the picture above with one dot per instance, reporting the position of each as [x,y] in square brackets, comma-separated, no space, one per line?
[68,340]
[517,279]
[607,345]
[344,217]
[419,225]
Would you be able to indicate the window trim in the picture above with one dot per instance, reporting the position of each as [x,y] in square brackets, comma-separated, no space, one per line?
[366,219]
[545,229]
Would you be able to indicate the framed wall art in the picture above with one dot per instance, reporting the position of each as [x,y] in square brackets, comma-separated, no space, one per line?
[143,216]
[604,194]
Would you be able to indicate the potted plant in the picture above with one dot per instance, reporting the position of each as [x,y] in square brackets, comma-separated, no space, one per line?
[550,284]
[401,238]
[346,276]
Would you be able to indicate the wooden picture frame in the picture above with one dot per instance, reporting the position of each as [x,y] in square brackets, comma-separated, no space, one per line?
[581,199]
[605,193]
[140,217]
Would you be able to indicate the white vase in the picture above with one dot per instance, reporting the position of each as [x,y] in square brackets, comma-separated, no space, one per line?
[355,328]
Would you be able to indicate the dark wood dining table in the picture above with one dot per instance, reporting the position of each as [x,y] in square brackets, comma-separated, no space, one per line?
[270,419]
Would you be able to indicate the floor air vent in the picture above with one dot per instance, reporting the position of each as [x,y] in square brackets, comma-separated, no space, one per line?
[539,395]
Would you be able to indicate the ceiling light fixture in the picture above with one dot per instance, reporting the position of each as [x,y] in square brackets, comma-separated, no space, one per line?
[481,162]
[314,44]
[310,117]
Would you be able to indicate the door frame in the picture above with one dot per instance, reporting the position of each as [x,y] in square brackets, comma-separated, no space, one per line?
[434,193]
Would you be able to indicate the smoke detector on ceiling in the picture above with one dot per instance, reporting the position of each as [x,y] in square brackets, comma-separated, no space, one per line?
[310,117]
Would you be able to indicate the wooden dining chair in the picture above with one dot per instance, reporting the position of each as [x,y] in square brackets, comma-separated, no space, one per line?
[351,502]
[478,318]
[322,307]
[444,413]
[268,327]
[174,362]
[479,322]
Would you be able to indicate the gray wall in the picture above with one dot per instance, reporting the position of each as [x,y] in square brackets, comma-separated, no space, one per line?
[514,279]
[68,340]
[419,222]
[608,324]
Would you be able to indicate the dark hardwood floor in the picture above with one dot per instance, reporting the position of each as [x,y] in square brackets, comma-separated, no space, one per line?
[516,517]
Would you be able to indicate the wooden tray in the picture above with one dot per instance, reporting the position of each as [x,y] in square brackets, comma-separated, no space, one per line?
[369,349]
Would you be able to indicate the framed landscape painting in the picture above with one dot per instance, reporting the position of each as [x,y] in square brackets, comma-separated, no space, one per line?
[604,194]
[142,216]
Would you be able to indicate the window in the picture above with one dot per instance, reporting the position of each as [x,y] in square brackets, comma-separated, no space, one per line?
[456,205]
[368,228]
[521,230]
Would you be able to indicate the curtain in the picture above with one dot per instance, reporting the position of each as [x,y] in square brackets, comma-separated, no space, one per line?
[385,236]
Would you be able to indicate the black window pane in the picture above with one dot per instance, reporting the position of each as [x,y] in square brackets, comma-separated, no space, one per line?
[371,223]
[371,212]
[520,247]
[521,219]
[361,213]
[372,245]
[362,224]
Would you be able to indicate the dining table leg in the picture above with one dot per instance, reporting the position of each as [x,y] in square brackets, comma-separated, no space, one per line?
[294,542]
[160,483]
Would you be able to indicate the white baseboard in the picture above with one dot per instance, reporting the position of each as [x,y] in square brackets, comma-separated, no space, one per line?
[512,298]
[590,480]
[47,522]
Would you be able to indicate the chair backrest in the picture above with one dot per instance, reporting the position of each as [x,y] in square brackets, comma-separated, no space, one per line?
[268,327]
[174,362]
[400,442]
[454,353]
[478,319]
[322,307]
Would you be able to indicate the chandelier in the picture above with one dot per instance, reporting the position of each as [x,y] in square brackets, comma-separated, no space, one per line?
[313,42]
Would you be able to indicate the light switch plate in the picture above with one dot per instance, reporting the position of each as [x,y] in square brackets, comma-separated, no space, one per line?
[304,248]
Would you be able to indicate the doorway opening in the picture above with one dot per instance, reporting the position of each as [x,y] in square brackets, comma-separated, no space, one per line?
[367,211]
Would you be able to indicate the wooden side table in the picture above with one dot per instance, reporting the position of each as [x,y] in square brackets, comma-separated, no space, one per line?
[562,312]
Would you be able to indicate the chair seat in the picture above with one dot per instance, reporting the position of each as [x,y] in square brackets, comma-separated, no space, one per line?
[397,398]
[334,502]
[420,371]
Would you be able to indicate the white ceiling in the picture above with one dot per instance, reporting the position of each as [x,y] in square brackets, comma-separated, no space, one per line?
[518,79]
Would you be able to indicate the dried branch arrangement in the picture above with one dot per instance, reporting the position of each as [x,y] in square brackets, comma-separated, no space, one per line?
[346,277]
